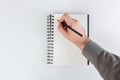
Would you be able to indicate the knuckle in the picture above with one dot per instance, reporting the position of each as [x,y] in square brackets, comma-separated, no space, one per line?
[66,14]
[77,22]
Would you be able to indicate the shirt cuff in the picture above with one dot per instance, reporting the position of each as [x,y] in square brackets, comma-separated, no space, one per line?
[91,51]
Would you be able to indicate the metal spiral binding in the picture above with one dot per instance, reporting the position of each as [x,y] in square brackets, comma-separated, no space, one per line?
[50,37]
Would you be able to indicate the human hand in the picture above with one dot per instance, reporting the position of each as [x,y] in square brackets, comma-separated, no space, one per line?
[69,34]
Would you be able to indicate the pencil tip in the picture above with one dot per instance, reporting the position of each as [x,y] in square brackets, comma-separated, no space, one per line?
[58,20]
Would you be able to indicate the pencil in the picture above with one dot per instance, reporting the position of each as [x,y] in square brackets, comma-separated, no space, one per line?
[67,26]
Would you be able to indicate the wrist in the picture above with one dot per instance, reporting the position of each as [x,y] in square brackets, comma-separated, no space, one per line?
[81,45]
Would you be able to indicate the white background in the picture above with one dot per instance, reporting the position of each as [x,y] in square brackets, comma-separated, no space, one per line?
[23,37]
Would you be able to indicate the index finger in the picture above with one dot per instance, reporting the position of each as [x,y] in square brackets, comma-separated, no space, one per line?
[66,17]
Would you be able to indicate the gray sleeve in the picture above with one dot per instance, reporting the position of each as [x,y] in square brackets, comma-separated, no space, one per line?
[105,62]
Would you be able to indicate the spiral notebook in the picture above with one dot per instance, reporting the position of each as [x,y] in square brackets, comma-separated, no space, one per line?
[61,51]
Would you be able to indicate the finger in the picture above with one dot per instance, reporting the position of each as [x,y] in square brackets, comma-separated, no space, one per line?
[62,25]
[74,20]
[66,17]
[62,30]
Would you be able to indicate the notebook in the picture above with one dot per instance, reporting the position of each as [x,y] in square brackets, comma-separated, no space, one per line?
[61,51]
